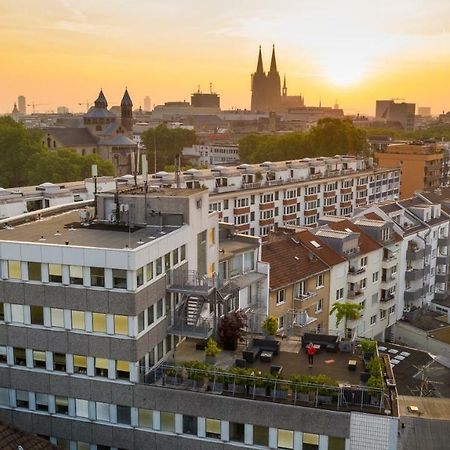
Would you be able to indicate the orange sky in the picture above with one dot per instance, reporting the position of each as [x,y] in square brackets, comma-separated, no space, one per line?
[61,52]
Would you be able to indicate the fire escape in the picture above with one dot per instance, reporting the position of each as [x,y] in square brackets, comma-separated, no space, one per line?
[202,300]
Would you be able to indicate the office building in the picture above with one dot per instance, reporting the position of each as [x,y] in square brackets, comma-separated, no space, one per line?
[422,165]
[205,100]
[147,104]
[209,155]
[391,112]
[22,104]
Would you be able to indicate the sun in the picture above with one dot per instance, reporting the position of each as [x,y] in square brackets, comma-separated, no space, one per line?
[343,69]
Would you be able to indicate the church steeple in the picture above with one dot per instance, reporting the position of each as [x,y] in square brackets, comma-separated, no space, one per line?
[284,87]
[273,61]
[101,101]
[259,66]
[126,110]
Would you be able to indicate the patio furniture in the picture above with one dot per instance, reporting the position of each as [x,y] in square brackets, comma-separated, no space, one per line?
[327,341]
[258,345]
[266,356]
[251,354]
[352,363]
[276,370]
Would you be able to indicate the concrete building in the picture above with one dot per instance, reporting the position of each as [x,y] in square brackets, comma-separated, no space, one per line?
[147,104]
[421,165]
[211,155]
[22,105]
[205,100]
[259,197]
[391,112]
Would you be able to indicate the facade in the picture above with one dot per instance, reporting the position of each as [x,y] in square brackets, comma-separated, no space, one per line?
[103,134]
[205,100]
[259,197]
[403,113]
[22,105]
[421,165]
[211,155]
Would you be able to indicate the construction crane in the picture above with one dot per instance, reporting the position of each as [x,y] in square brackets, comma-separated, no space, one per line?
[33,105]
[86,103]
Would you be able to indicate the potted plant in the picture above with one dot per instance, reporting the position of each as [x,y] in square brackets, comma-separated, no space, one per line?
[239,379]
[259,385]
[345,311]
[196,373]
[324,393]
[300,387]
[211,351]
[231,329]
[216,380]
[369,348]
[270,326]
[172,375]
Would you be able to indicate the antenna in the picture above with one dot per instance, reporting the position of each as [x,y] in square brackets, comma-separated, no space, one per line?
[94,173]
[210,88]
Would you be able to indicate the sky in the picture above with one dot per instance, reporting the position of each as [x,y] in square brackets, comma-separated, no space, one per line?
[61,52]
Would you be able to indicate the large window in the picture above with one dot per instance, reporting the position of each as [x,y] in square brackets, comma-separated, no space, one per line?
[102,410]
[17,313]
[285,439]
[119,278]
[14,270]
[37,315]
[55,273]
[236,265]
[190,425]
[249,262]
[99,322]
[57,316]
[76,274]
[81,408]
[98,276]
[145,418]
[213,428]
[34,271]
[121,324]
[78,322]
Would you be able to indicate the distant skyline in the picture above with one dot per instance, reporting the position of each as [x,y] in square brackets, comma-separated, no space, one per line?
[61,52]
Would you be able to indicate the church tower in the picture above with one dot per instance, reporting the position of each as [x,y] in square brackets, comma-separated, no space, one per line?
[126,109]
[273,85]
[259,86]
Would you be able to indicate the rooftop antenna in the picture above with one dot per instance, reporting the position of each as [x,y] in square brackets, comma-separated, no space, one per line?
[94,173]
[198,89]
[210,88]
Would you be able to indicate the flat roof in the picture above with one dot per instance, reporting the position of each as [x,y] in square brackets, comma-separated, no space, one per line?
[429,407]
[66,227]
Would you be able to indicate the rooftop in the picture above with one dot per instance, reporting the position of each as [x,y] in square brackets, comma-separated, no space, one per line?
[426,320]
[66,227]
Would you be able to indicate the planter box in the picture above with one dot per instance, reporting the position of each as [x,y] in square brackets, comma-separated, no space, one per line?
[280,394]
[173,380]
[327,399]
[195,384]
[260,391]
[215,387]
[240,389]
[302,397]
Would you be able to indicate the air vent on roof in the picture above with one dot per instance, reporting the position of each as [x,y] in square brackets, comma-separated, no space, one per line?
[348,230]
[316,244]
[297,258]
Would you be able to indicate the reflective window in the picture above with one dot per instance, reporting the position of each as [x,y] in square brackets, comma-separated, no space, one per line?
[34,271]
[55,273]
[76,274]
[98,276]
[121,324]
[123,414]
[78,322]
[99,322]
[167,421]
[14,270]
[81,408]
[145,418]
[57,316]
[102,410]
[17,314]
[285,439]
[119,278]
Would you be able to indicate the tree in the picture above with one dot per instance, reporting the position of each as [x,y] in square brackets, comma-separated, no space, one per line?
[346,311]
[270,326]
[169,143]
[231,329]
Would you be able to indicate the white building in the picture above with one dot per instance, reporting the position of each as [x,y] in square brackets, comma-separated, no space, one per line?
[211,155]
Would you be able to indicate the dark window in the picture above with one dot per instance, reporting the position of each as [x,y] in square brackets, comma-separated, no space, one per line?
[59,362]
[98,276]
[37,315]
[190,425]
[123,414]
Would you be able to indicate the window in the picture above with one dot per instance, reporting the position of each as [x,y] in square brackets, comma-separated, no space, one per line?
[310,441]
[236,265]
[260,435]
[382,314]
[81,408]
[183,253]
[80,364]
[14,270]
[17,313]
[212,236]
[121,325]
[22,399]
[285,439]
[150,315]
[150,271]
[99,322]
[375,277]
[236,432]
[320,281]
[57,317]
[167,421]
[62,405]
[78,322]
[160,308]
[123,414]
[102,411]
[363,262]
[240,220]
[158,266]
[37,315]
[59,362]
[213,428]
[175,257]
[140,277]
[39,359]
[336,443]
[375,298]
[363,283]
[280,296]
[2,312]
[34,271]
[141,321]
[41,402]
[119,278]
[19,356]
[340,294]
[76,274]
[3,355]
[248,261]
[98,276]
[55,273]
[190,425]
[373,320]
[145,418]
[167,262]
[4,397]
[101,367]
[319,306]
[393,270]
[122,370]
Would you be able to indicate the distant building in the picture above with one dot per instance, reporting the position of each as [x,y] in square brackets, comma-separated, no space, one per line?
[389,111]
[147,104]
[201,100]
[62,110]
[424,111]
[211,155]
[15,114]
[22,103]
[421,165]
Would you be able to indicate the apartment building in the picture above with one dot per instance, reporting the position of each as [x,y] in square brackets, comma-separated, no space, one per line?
[422,165]
[210,155]
[258,198]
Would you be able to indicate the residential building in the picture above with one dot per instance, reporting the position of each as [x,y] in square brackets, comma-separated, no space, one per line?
[257,198]
[390,112]
[421,165]
[209,155]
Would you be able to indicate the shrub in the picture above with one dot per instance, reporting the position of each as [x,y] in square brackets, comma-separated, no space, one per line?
[270,325]
[368,345]
[212,349]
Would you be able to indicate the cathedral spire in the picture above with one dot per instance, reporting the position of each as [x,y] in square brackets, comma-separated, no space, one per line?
[101,101]
[284,87]
[273,61]
[259,67]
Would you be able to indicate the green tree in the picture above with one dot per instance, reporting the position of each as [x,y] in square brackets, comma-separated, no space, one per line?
[169,143]
[345,311]
[17,147]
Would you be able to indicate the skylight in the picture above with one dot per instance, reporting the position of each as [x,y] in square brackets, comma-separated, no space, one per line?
[316,244]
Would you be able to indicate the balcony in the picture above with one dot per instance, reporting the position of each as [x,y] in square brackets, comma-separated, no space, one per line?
[415,254]
[413,294]
[388,282]
[441,277]
[355,275]
[355,295]
[302,296]
[190,282]
[442,259]
[412,274]
[444,241]
[387,300]
[389,262]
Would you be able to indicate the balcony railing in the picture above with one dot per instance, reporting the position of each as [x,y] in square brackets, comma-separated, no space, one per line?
[191,280]
[299,296]
[355,294]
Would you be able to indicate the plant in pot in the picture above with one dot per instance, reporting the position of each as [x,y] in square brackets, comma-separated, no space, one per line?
[300,387]
[173,376]
[240,379]
[216,380]
[369,348]
[270,326]
[259,385]
[211,351]
[231,329]
[325,392]
[196,373]
[345,311]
